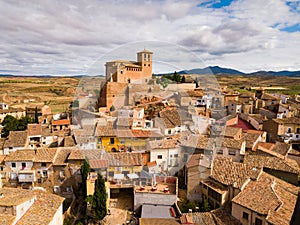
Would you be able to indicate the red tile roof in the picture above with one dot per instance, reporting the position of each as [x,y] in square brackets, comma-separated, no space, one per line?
[61,122]
[244,125]
[99,163]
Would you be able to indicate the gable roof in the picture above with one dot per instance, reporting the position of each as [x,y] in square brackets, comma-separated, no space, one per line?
[214,217]
[62,156]
[250,139]
[229,173]
[232,131]
[163,144]
[271,162]
[98,163]
[281,148]
[16,139]
[105,129]
[229,143]
[45,154]
[43,209]
[293,120]
[269,196]
[20,155]
[124,159]
[171,118]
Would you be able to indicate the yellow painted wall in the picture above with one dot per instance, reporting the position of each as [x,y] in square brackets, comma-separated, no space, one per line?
[106,143]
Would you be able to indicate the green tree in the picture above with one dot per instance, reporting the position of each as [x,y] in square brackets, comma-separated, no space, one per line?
[183,79]
[10,123]
[112,108]
[99,198]
[176,77]
[23,122]
[85,170]
[205,205]
[36,115]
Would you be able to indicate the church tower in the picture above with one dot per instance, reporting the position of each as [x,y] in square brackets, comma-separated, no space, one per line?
[144,59]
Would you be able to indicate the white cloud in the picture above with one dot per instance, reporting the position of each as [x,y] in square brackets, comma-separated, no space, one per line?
[42,37]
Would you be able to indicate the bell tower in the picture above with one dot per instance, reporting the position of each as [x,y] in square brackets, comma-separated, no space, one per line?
[144,59]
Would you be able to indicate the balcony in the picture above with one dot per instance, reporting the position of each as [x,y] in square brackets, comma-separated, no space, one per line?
[26,176]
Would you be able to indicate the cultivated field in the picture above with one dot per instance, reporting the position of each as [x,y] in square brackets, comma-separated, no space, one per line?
[55,92]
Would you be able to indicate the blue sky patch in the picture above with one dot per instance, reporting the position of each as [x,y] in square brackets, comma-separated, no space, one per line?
[215,4]
[290,29]
[295,6]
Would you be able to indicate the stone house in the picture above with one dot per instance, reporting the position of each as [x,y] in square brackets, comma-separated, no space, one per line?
[265,200]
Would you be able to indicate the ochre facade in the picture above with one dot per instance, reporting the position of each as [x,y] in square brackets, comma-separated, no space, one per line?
[120,73]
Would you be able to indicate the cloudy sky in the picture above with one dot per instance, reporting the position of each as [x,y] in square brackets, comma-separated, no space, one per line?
[69,37]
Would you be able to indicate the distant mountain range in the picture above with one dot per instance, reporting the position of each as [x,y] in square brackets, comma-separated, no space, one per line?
[216,70]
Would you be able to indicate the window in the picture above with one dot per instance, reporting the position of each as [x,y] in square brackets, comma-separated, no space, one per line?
[13,165]
[289,130]
[232,152]
[43,164]
[23,166]
[220,151]
[298,130]
[159,156]
[121,72]
[258,221]
[99,141]
[245,215]
[45,173]
[112,141]
[175,155]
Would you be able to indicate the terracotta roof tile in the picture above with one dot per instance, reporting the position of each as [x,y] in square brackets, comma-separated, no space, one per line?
[62,156]
[138,133]
[230,143]
[228,173]
[14,196]
[21,155]
[45,154]
[163,144]
[43,209]
[156,221]
[281,148]
[16,139]
[124,159]
[260,161]
[99,163]
[61,122]
[250,139]
[271,197]
[293,120]
[7,219]
[105,130]
[171,118]
[34,129]
[224,218]
[76,154]
[232,131]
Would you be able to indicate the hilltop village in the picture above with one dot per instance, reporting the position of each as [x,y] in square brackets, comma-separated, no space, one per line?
[170,150]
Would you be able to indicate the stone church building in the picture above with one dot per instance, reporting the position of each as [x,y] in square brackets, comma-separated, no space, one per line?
[123,75]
